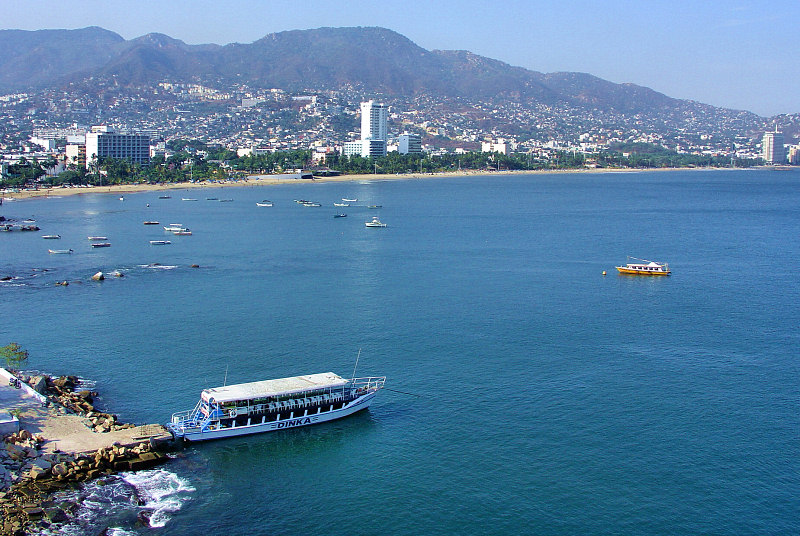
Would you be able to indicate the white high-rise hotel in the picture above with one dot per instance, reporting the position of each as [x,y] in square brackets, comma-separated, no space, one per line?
[374,131]
[772,149]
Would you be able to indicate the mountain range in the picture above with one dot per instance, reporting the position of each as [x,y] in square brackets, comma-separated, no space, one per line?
[370,59]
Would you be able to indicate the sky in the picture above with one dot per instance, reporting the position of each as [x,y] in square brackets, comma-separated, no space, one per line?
[734,54]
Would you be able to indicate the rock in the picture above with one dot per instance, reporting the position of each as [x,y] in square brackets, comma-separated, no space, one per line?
[33,512]
[55,515]
[39,384]
[117,273]
[15,453]
[98,276]
[195,266]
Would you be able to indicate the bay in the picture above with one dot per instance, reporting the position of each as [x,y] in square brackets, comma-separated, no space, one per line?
[545,398]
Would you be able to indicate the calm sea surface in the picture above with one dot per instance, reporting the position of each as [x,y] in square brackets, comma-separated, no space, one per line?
[545,398]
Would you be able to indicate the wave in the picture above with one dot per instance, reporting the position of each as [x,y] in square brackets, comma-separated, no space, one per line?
[122,504]
[163,492]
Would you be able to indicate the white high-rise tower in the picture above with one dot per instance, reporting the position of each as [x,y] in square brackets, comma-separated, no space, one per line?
[373,120]
[772,150]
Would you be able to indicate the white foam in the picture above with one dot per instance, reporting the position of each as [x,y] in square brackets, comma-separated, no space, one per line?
[163,492]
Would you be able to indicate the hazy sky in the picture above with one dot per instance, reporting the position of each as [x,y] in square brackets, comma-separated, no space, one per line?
[730,53]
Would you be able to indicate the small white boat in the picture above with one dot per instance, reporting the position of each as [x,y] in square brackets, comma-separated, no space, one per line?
[122,199]
[51,236]
[349,200]
[264,203]
[97,237]
[101,245]
[374,223]
[188,199]
[182,232]
[342,215]
[172,227]
[165,197]
[159,242]
[151,223]
[341,204]
[59,251]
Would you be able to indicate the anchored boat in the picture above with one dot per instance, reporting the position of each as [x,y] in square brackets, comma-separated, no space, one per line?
[269,405]
[644,267]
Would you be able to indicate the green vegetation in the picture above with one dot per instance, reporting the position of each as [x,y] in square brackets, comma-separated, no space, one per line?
[193,160]
[14,356]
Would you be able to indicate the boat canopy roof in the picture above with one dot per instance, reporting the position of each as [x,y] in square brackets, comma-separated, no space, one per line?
[278,387]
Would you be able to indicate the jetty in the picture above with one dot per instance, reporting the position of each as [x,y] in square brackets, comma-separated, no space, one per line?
[54,438]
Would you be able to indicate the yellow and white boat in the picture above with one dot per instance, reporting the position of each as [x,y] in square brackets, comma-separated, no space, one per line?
[644,267]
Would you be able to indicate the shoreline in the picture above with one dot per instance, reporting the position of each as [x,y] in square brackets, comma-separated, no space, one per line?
[267,180]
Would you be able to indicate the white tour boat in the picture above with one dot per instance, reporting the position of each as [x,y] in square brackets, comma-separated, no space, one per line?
[268,405]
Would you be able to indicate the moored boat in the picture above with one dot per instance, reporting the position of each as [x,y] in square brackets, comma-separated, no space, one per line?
[182,232]
[644,267]
[342,215]
[97,237]
[151,223]
[264,203]
[101,244]
[341,204]
[269,405]
[51,236]
[374,223]
[349,200]
[160,242]
[59,251]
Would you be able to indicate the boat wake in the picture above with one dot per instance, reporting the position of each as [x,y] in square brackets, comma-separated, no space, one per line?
[124,504]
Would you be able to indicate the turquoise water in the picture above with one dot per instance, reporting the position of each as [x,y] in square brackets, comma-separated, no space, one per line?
[545,398]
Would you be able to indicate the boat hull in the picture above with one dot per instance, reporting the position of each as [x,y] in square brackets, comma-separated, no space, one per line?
[354,406]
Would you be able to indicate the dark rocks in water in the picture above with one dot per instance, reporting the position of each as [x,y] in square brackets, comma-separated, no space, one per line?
[144,517]
[6,278]
[195,266]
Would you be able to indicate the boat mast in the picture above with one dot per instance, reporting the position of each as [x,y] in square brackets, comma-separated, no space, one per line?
[356,366]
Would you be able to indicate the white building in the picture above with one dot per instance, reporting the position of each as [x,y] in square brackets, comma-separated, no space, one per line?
[772,150]
[409,143]
[374,117]
[499,146]
[365,148]
[102,141]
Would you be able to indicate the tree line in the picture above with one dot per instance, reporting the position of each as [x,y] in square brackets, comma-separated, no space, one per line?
[193,160]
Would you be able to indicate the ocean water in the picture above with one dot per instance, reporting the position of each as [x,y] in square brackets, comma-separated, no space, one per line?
[529,393]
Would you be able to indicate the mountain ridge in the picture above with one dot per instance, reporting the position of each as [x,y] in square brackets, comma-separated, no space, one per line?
[371,58]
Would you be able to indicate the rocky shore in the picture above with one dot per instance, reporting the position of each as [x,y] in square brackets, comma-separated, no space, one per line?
[31,473]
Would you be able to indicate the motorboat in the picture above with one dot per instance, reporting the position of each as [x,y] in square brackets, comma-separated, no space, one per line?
[159,242]
[644,267]
[51,236]
[374,223]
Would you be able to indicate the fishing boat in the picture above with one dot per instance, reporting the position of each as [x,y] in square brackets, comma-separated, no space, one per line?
[644,267]
[160,242]
[188,199]
[269,405]
[342,215]
[172,227]
[165,197]
[226,200]
[375,222]
[151,223]
[59,251]
[51,236]
[375,206]
[264,203]
[312,204]
[182,232]
[341,204]
[349,200]
[97,237]
[101,244]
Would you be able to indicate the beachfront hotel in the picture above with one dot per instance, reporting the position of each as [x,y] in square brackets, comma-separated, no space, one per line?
[102,141]
[772,150]
[374,131]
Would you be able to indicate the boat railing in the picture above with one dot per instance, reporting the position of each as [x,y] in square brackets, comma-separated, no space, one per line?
[367,384]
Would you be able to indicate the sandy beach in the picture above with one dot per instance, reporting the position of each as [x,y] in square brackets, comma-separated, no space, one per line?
[268,180]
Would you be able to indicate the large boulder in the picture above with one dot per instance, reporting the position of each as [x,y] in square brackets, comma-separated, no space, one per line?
[39,384]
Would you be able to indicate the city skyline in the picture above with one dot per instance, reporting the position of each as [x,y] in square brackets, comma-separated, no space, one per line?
[726,55]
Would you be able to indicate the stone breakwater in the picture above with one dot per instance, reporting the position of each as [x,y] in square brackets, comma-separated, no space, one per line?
[33,468]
